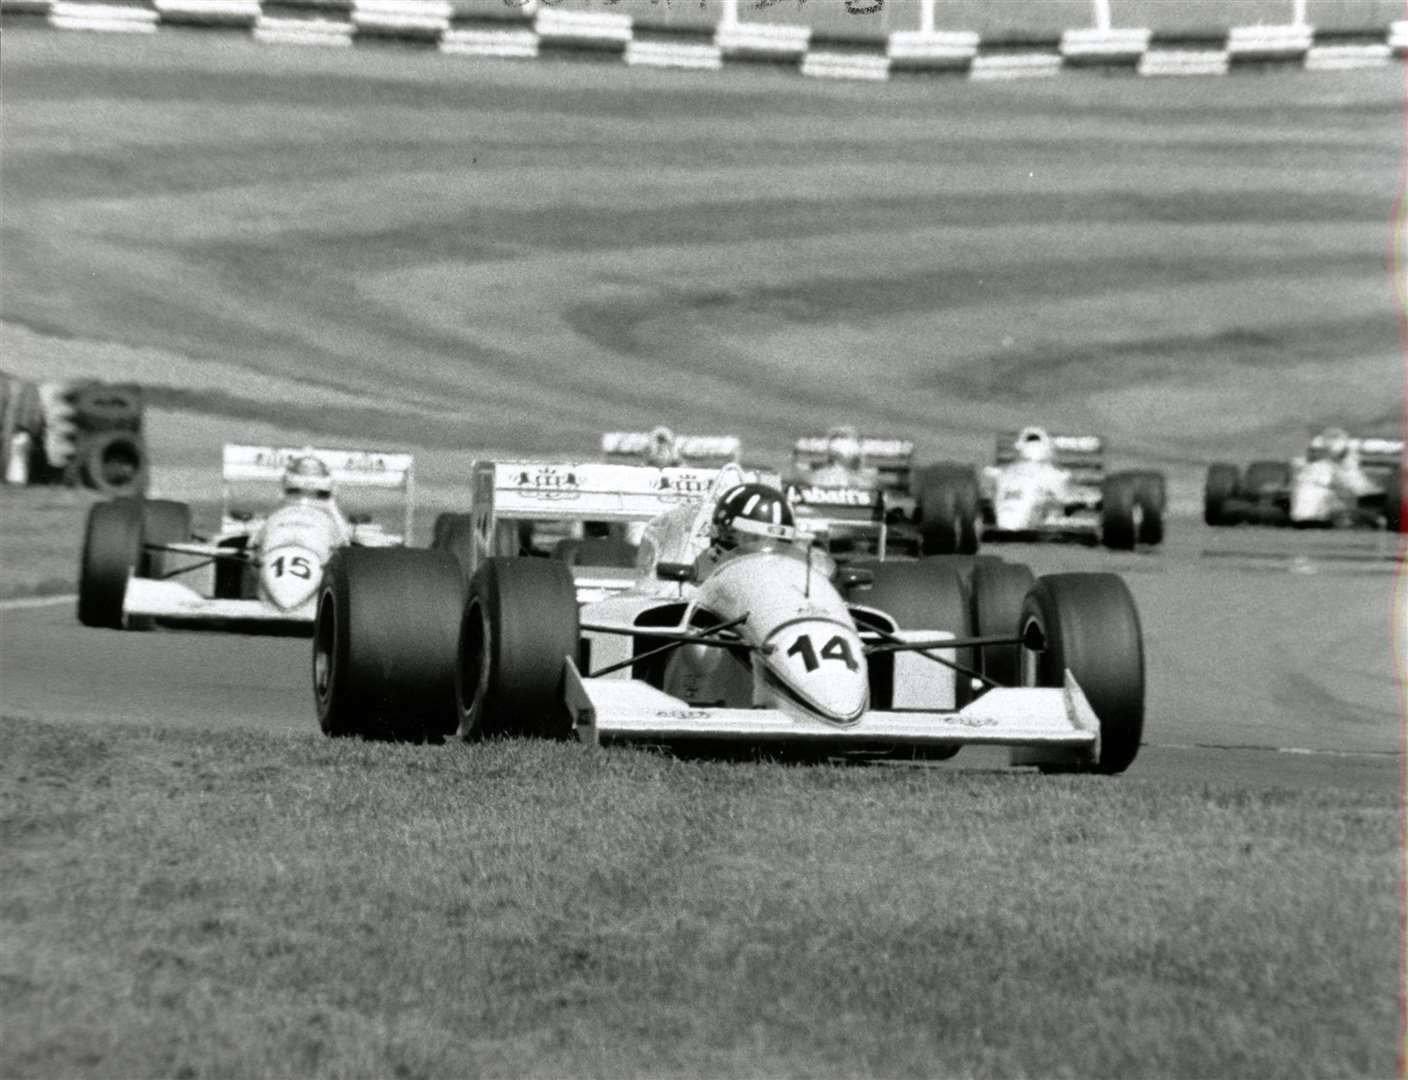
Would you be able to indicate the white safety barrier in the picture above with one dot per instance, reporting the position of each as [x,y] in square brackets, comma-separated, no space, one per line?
[1266,44]
[419,20]
[582,29]
[103,18]
[281,31]
[699,55]
[763,41]
[932,51]
[1096,47]
[842,65]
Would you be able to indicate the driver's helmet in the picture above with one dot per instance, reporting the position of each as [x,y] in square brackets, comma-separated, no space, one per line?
[1034,444]
[752,512]
[1334,442]
[307,477]
[843,448]
[662,449]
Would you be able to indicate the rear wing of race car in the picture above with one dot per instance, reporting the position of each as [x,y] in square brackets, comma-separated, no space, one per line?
[696,451]
[244,464]
[585,491]
[1082,455]
[893,459]
[1376,454]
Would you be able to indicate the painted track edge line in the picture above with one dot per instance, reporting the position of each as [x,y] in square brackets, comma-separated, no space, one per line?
[22,603]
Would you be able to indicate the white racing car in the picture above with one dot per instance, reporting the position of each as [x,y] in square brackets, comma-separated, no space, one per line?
[141,563]
[1044,486]
[733,629]
[1341,480]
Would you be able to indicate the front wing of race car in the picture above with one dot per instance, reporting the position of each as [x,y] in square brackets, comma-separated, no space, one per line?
[178,602]
[1056,720]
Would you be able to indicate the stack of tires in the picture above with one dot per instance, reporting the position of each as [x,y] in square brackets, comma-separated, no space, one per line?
[97,441]
[21,431]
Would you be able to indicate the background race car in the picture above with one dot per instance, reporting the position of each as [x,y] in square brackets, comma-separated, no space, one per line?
[697,451]
[1020,501]
[573,512]
[1309,491]
[932,510]
[141,561]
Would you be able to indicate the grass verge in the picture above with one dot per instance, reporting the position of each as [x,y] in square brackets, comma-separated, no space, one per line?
[228,904]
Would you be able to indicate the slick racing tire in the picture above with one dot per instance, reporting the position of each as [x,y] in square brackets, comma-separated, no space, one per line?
[1090,626]
[1150,490]
[946,510]
[923,595]
[998,591]
[1121,513]
[112,552]
[113,462]
[1153,488]
[520,626]
[1393,501]
[384,643]
[1220,487]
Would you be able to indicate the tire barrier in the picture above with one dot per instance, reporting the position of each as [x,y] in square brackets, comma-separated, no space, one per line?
[86,433]
[526,30]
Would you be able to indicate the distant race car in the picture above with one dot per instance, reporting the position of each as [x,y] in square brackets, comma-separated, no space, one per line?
[1357,483]
[1044,486]
[141,562]
[662,447]
[733,630]
[867,492]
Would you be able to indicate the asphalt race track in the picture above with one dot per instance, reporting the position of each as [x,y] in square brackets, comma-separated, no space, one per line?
[1268,657]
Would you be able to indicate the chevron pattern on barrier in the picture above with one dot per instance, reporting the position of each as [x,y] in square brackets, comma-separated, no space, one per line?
[611,35]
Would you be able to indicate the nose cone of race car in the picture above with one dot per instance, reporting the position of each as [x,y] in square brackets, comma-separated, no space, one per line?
[289,575]
[816,668]
[1016,506]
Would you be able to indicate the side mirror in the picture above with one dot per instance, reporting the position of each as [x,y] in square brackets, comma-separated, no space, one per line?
[853,577]
[675,571]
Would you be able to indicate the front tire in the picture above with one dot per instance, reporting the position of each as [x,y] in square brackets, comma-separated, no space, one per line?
[1220,487]
[1091,627]
[112,552]
[520,625]
[384,643]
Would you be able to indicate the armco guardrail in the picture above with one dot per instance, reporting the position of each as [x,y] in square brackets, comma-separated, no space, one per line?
[844,39]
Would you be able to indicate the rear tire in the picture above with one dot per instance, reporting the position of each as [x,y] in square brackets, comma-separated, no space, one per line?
[998,591]
[112,552]
[163,522]
[384,643]
[946,511]
[520,626]
[926,595]
[1121,513]
[1219,488]
[1091,627]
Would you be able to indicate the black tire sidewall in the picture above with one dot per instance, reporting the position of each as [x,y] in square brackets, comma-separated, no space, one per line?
[520,625]
[112,553]
[998,592]
[1091,626]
